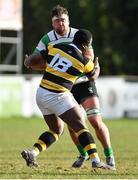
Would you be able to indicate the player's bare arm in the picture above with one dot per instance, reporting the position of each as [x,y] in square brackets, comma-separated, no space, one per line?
[89,53]
[94,74]
[35,61]
[96,69]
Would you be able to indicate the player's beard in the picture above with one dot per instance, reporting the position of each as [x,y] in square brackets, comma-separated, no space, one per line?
[61,31]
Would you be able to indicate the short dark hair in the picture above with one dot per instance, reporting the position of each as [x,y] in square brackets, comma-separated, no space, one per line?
[82,37]
[58,11]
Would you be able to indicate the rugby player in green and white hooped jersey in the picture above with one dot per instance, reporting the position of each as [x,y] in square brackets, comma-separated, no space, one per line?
[53,37]
[61,33]
[87,97]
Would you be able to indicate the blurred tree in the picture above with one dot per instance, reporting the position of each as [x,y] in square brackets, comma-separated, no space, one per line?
[113,24]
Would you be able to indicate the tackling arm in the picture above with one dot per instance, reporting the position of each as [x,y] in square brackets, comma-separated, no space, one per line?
[89,53]
[35,61]
[96,70]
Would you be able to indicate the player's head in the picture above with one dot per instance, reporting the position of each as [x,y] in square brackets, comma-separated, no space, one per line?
[60,19]
[83,39]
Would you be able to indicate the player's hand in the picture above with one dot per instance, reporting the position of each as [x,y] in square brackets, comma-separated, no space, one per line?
[96,63]
[26,61]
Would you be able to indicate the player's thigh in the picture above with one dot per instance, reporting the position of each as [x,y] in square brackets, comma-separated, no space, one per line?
[91,102]
[54,123]
[74,118]
[91,99]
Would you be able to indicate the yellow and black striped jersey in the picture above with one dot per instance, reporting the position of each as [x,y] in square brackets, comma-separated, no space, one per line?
[65,63]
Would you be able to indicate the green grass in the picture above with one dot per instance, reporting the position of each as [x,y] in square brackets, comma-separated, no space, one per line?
[55,163]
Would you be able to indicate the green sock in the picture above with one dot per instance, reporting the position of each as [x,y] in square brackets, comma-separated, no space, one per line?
[82,151]
[108,152]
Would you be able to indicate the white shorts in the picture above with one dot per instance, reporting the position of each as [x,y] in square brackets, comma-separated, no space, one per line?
[54,103]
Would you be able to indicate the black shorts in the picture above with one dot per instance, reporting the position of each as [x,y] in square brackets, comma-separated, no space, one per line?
[83,90]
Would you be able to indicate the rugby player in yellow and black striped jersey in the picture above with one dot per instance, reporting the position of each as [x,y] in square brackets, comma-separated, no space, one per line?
[64,63]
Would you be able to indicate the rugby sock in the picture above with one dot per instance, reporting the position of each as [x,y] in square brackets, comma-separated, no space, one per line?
[108,152]
[44,141]
[87,142]
[82,150]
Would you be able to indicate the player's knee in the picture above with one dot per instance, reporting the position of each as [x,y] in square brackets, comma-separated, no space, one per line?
[60,131]
[94,116]
[71,131]
[77,126]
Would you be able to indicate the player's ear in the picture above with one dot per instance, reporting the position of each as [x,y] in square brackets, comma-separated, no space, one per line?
[84,46]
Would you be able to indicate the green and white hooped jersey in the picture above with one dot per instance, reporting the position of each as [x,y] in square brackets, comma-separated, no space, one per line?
[53,38]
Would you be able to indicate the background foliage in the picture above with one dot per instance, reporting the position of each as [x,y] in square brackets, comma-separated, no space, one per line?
[113,24]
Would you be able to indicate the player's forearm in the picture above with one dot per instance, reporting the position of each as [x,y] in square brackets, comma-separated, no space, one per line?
[35,61]
[95,74]
[96,69]
[32,59]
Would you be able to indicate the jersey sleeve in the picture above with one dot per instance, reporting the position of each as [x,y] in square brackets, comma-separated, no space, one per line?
[43,43]
[44,53]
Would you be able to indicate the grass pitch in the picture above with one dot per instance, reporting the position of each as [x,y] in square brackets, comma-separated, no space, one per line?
[55,163]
